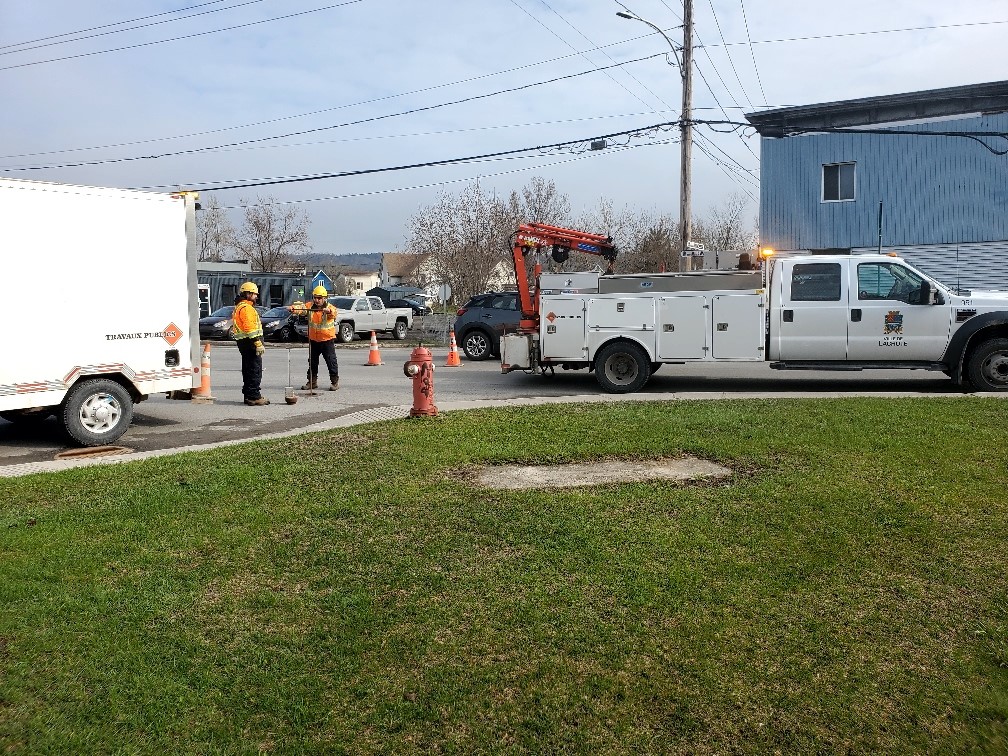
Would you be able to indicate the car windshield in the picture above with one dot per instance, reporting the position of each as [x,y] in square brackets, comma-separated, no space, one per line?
[276,312]
[342,303]
[223,312]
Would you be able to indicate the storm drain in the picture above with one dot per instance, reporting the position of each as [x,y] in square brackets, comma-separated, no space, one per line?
[93,451]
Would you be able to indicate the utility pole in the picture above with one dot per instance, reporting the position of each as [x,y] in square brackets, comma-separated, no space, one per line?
[686,134]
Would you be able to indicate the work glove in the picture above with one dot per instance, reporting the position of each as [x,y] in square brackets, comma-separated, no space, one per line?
[260,349]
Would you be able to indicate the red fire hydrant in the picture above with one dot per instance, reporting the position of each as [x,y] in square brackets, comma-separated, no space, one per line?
[420,368]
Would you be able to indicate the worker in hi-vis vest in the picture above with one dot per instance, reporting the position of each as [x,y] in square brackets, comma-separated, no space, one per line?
[248,333]
[321,336]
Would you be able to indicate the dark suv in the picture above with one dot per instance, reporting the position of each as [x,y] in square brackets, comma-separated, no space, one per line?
[483,319]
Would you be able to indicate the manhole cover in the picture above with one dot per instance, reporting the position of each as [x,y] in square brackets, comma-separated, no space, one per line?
[93,451]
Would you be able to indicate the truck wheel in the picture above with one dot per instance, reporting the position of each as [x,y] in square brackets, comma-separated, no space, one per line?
[622,367]
[988,366]
[346,332]
[97,412]
[476,345]
[399,332]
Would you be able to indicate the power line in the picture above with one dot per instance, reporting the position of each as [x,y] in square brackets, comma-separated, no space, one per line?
[316,112]
[185,36]
[730,61]
[106,26]
[4,51]
[751,51]
[196,150]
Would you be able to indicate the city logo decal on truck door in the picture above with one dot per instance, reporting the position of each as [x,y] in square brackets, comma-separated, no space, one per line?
[892,330]
[170,333]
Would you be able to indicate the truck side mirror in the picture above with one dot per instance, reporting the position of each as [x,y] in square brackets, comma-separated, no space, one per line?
[931,294]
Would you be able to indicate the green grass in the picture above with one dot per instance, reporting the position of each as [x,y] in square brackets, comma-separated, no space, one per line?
[355,592]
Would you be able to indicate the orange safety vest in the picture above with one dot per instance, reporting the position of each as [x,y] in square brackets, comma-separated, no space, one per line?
[246,322]
[321,323]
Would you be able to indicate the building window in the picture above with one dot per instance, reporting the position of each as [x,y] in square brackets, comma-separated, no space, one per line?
[838,182]
[815,282]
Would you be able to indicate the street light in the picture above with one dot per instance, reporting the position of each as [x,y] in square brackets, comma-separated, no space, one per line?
[685,118]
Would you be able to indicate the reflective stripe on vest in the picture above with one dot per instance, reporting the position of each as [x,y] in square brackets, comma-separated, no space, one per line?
[321,328]
[255,325]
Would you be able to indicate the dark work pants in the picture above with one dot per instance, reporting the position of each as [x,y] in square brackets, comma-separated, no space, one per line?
[325,349]
[251,368]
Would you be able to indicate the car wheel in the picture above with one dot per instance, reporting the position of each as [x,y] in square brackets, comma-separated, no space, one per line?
[399,332]
[97,412]
[476,345]
[988,366]
[346,332]
[622,367]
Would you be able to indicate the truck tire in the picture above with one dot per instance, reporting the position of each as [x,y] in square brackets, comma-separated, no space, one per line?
[97,412]
[988,366]
[622,367]
[399,332]
[476,344]
[346,332]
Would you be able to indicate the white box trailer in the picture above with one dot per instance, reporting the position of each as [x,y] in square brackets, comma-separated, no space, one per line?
[104,284]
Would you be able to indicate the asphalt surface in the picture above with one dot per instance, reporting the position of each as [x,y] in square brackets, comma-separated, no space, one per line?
[368,393]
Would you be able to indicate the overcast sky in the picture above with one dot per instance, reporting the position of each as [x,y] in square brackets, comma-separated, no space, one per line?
[239,91]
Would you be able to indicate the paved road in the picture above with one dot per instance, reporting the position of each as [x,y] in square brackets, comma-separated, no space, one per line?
[368,392]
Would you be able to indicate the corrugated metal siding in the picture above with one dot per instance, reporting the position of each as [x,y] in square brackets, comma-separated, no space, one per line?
[935,190]
[967,266]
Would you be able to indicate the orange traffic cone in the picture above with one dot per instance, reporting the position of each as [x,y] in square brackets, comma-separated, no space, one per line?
[453,355]
[374,356]
[202,394]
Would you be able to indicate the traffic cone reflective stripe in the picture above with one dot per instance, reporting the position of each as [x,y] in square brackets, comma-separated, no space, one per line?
[202,393]
[374,356]
[453,354]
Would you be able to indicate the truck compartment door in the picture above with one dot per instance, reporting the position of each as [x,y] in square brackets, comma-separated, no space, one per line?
[610,316]
[562,329]
[737,327]
[683,325]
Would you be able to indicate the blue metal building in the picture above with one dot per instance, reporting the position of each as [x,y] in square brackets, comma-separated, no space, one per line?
[932,165]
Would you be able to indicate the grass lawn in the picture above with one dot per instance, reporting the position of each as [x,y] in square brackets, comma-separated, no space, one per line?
[355,592]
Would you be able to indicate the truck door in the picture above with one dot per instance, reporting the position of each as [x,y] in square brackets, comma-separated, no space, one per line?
[379,315]
[811,321]
[891,315]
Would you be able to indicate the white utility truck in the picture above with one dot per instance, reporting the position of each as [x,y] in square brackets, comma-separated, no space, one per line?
[104,284]
[807,312]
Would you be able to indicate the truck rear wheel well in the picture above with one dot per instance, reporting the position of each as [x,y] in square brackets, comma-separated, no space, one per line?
[119,378]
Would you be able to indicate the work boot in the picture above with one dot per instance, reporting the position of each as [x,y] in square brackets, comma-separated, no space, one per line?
[335,385]
[257,402]
[309,385]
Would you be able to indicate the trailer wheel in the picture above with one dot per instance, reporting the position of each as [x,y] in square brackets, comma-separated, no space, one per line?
[622,367]
[97,412]
[399,332]
[988,366]
[346,332]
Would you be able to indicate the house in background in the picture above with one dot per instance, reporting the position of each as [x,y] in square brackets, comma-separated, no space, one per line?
[918,174]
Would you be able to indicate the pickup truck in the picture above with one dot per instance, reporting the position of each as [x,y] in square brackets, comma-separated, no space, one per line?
[822,312]
[363,315]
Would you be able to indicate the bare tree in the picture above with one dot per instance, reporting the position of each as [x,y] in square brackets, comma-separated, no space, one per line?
[539,202]
[271,232]
[215,236]
[725,229]
[465,239]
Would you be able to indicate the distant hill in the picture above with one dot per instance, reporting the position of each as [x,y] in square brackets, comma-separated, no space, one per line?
[359,262]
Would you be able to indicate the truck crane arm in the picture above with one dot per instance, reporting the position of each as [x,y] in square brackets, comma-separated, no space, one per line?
[534,237]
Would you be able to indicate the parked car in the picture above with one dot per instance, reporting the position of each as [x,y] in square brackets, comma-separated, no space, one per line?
[419,308]
[482,321]
[279,324]
[217,325]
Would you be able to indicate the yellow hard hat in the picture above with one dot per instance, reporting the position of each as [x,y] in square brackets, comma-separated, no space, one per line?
[248,286]
[320,291]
